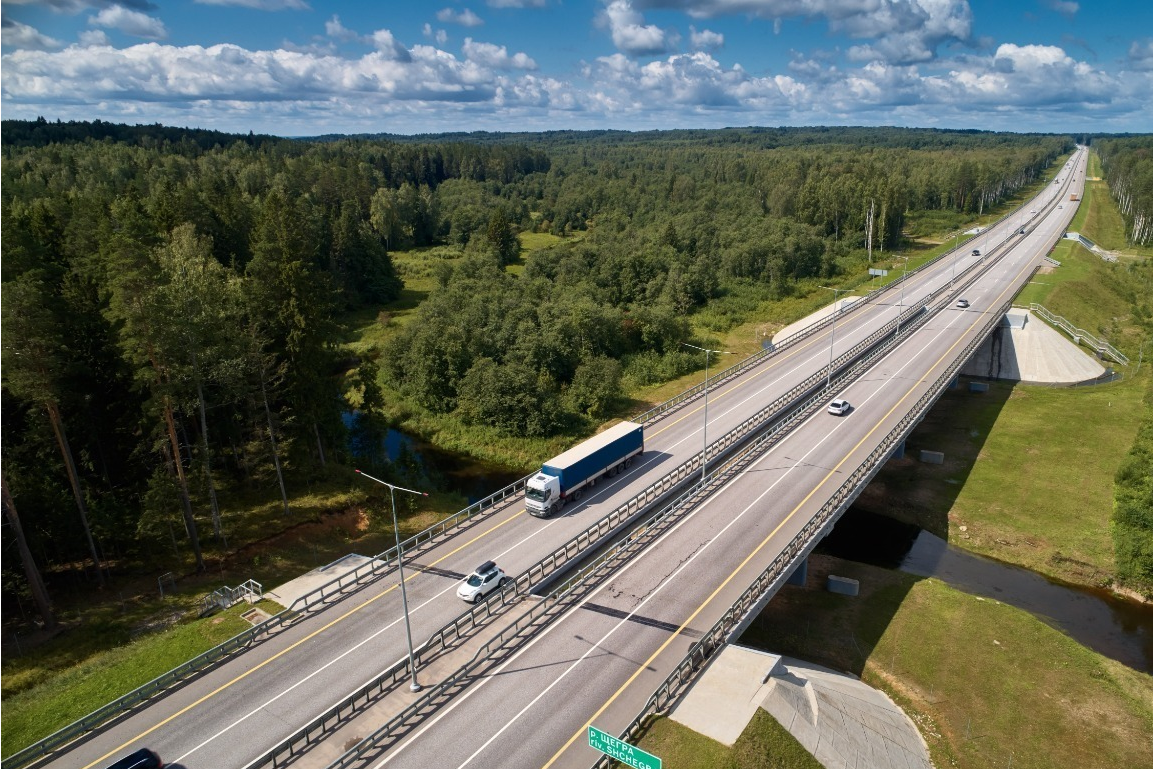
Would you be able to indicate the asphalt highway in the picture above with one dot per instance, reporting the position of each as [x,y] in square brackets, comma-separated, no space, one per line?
[232,714]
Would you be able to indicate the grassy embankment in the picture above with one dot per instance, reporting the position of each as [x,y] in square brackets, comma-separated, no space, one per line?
[987,685]
[1029,470]
[52,695]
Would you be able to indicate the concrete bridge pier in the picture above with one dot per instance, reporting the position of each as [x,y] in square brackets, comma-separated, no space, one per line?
[800,574]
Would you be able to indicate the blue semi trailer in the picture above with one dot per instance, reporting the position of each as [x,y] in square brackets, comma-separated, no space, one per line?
[565,477]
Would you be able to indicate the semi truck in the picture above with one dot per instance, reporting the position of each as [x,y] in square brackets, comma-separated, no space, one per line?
[566,476]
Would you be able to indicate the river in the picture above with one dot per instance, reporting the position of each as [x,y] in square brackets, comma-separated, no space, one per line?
[1115,627]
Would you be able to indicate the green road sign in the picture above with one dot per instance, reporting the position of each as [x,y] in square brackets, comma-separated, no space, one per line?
[622,751]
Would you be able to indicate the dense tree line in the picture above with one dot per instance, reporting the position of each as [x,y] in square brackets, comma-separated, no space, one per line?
[172,299]
[1128,167]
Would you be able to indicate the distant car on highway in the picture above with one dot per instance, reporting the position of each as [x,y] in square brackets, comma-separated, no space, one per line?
[962,303]
[976,252]
[487,578]
[141,759]
[839,407]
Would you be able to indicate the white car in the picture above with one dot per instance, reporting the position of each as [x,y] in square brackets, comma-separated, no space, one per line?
[839,407]
[487,578]
[962,303]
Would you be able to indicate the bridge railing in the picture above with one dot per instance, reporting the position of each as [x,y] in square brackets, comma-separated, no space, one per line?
[1079,334]
[677,682]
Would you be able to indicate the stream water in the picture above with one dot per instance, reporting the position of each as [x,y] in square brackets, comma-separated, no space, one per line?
[423,463]
[1097,619]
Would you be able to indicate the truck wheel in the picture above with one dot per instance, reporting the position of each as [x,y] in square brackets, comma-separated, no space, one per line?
[576,495]
[628,463]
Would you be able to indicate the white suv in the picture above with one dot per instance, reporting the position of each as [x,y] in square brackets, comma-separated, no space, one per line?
[487,578]
[839,407]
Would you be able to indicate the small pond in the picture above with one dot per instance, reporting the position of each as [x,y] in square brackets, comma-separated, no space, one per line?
[424,464]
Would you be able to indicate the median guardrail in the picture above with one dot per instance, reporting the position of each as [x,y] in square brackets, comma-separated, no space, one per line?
[683,675]
[455,632]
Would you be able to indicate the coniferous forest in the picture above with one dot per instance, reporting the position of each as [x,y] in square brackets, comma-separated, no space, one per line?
[173,299]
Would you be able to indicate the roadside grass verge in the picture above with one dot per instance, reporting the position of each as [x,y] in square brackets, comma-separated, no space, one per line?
[109,648]
[68,695]
[986,683]
[764,744]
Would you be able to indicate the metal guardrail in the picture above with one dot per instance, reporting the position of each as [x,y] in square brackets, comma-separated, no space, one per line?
[345,583]
[670,691]
[1079,334]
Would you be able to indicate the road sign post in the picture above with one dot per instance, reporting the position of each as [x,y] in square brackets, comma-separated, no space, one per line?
[622,751]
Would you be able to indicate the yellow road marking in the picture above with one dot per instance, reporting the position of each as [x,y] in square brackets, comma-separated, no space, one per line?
[286,650]
[645,665]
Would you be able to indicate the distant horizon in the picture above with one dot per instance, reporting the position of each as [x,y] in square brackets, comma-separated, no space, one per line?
[462,132]
[299,68]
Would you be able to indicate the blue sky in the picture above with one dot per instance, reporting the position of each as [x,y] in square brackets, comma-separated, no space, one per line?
[307,67]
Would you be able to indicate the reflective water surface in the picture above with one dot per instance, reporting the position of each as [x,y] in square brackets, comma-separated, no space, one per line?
[1097,619]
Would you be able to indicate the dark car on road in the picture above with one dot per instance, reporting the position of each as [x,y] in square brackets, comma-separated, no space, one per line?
[141,759]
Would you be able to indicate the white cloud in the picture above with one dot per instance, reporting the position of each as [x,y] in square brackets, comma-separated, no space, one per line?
[1141,55]
[90,38]
[516,3]
[440,36]
[389,46]
[77,6]
[705,39]
[629,32]
[13,34]
[902,31]
[337,31]
[130,23]
[495,56]
[1064,7]
[465,18]
[261,5]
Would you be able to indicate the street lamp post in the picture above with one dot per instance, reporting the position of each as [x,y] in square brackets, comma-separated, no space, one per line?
[901,310]
[392,488]
[956,250]
[833,330]
[705,429]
